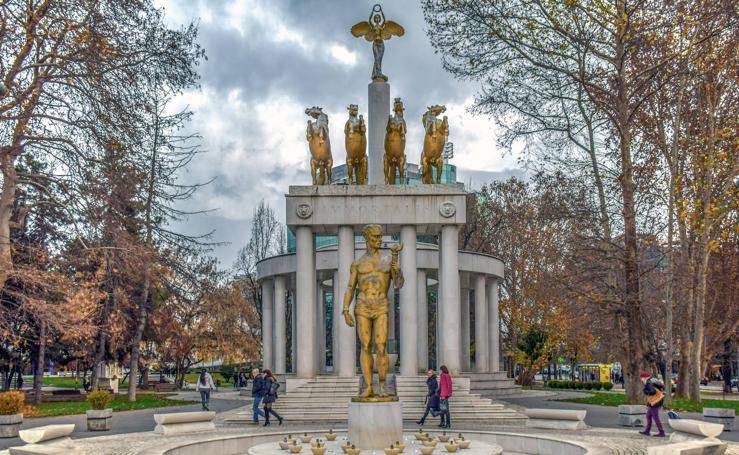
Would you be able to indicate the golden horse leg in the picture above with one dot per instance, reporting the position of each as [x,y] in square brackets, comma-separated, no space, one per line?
[329,166]
[401,169]
[387,170]
[313,166]
[350,171]
[439,168]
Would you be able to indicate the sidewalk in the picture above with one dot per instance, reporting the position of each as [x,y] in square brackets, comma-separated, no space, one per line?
[134,421]
[598,416]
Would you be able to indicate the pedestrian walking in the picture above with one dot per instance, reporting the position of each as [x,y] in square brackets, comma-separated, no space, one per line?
[654,397]
[204,386]
[258,391]
[270,397]
[445,391]
[432,397]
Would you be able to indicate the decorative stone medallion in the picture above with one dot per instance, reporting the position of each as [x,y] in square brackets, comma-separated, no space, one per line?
[447,209]
[304,210]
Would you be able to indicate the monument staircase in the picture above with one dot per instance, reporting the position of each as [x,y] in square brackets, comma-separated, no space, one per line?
[326,399]
[493,385]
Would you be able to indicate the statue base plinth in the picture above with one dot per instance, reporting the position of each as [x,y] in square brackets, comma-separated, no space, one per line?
[385,399]
[375,425]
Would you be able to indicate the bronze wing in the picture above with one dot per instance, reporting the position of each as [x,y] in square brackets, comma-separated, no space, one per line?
[391,29]
[363,29]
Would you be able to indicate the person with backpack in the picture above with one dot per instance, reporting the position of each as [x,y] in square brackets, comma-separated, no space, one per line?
[445,391]
[654,397]
[432,397]
[205,386]
[270,397]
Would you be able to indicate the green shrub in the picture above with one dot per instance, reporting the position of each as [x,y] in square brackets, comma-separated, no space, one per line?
[597,386]
[11,402]
[607,386]
[99,399]
[588,386]
[579,385]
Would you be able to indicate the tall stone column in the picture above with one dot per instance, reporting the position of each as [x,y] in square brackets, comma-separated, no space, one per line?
[305,258]
[280,335]
[464,297]
[379,109]
[422,325]
[391,313]
[346,354]
[493,326]
[321,327]
[449,305]
[482,342]
[267,323]
[408,303]
[293,332]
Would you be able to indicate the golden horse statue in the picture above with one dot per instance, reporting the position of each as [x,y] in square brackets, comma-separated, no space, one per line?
[355,133]
[319,145]
[437,131]
[395,145]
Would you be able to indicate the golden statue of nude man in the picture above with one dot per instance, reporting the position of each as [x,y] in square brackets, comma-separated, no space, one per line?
[372,274]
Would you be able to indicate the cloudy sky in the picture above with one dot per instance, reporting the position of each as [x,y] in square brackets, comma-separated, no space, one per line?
[270,59]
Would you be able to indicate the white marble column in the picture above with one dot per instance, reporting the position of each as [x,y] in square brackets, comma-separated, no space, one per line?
[449,305]
[408,303]
[379,108]
[346,355]
[280,335]
[422,325]
[493,326]
[481,326]
[464,299]
[391,312]
[293,332]
[267,323]
[305,288]
[321,327]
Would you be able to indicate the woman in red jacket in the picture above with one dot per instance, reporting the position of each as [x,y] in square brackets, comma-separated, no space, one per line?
[445,391]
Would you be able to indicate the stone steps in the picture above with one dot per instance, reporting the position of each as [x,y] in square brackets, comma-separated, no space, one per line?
[492,384]
[326,398]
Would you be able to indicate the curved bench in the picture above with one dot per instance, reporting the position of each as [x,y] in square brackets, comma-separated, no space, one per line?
[184,422]
[694,430]
[556,419]
[45,440]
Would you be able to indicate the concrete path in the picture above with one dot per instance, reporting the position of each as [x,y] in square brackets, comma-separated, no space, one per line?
[598,416]
[134,421]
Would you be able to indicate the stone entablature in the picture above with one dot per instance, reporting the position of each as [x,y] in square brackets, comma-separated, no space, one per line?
[325,208]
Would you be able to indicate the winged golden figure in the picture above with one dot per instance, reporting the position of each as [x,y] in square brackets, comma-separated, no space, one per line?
[377,30]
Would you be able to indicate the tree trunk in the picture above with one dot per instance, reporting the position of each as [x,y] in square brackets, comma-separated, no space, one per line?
[7,198]
[103,329]
[136,342]
[38,377]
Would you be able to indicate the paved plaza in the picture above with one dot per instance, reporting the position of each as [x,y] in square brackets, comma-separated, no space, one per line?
[132,430]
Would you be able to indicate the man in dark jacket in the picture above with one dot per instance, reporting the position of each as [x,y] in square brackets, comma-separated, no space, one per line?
[432,397]
[259,389]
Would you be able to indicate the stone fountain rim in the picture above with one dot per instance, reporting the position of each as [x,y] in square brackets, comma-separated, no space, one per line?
[168,447]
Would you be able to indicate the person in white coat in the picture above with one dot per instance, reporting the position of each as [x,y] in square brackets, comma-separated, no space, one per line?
[204,386]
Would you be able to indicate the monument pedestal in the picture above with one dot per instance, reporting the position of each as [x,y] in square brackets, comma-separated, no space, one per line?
[375,425]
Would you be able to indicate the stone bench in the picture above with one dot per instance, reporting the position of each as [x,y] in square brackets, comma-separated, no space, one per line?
[632,415]
[556,419]
[45,440]
[694,430]
[723,416]
[165,387]
[184,422]
[690,448]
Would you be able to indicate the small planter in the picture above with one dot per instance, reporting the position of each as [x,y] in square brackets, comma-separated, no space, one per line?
[99,419]
[10,425]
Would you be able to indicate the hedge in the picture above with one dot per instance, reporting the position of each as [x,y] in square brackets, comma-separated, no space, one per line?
[577,385]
